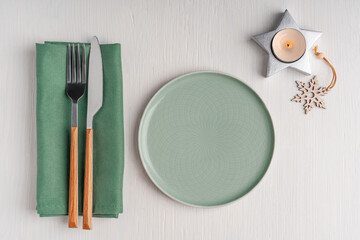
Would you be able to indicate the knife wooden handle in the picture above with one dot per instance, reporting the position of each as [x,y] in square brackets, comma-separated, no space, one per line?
[87,211]
[73,182]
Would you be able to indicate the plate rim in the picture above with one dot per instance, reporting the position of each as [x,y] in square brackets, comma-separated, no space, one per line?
[140,127]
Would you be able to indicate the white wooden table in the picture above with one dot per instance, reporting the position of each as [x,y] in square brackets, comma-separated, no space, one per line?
[312,189]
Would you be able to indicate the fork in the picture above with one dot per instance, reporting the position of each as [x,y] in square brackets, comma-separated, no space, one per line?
[75,88]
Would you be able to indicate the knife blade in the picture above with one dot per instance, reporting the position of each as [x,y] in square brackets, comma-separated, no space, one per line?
[94,103]
[95,85]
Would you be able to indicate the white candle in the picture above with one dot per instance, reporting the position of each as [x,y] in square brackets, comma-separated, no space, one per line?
[288,45]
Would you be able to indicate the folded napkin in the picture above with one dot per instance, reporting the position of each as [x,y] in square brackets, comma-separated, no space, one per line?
[53,116]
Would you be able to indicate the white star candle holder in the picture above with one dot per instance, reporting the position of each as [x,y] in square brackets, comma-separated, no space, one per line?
[287,46]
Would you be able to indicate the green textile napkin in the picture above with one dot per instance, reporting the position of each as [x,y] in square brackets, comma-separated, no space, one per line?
[53,117]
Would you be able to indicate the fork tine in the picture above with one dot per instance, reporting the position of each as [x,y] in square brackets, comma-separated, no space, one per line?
[78,64]
[83,67]
[68,64]
[73,65]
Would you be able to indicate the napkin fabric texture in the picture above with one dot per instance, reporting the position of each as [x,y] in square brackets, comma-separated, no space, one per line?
[53,116]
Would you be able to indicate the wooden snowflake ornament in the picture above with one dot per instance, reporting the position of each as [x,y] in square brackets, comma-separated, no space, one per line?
[310,95]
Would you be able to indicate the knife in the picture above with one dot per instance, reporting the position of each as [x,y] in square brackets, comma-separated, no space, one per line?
[94,103]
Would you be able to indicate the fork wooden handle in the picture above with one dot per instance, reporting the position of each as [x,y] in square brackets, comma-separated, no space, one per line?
[87,210]
[73,182]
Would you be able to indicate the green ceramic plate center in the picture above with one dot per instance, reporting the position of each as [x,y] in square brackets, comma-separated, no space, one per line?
[206,139]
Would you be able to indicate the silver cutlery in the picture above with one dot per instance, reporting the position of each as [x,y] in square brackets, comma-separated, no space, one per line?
[75,88]
[94,103]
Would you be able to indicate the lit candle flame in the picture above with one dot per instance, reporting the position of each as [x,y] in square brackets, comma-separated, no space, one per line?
[289,44]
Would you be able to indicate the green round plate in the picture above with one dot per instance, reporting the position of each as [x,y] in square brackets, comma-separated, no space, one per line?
[206,139]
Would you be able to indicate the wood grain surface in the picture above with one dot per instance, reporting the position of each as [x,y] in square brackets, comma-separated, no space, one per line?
[88,181]
[312,188]
[73,181]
